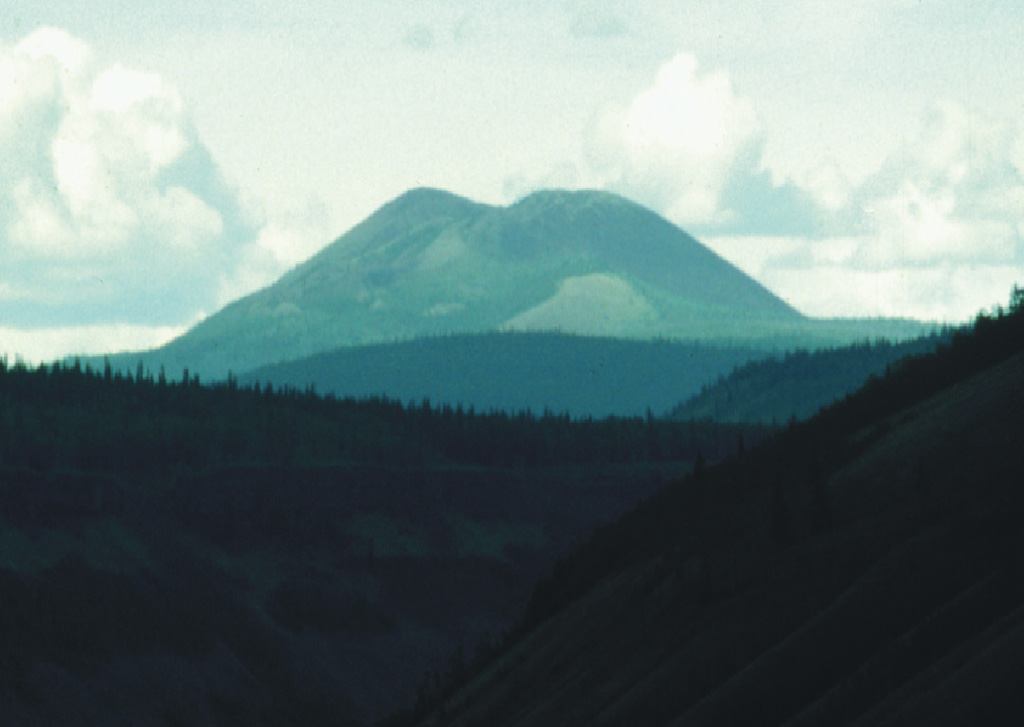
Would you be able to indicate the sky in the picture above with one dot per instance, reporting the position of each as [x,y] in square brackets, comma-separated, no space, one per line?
[158,160]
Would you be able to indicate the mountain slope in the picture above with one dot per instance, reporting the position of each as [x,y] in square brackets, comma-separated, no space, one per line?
[861,568]
[430,263]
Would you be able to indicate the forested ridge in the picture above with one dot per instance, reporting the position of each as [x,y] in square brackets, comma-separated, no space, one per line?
[800,382]
[239,554]
[67,416]
[595,376]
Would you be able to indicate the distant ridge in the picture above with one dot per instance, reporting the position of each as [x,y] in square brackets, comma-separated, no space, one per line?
[515,371]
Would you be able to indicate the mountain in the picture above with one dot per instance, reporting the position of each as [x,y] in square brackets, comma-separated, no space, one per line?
[430,263]
[861,568]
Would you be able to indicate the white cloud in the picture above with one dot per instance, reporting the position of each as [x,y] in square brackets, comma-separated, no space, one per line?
[42,345]
[950,194]
[1017,154]
[676,144]
[113,215]
[288,246]
[690,147]
[757,255]
[66,57]
[935,233]
[88,184]
[827,184]
[915,226]
[950,293]
[831,277]
[938,230]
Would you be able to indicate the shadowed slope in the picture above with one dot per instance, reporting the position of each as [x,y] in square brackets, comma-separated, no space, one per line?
[862,568]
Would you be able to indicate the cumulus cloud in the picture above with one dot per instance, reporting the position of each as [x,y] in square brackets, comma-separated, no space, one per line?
[828,185]
[675,144]
[951,193]
[112,212]
[690,147]
[935,233]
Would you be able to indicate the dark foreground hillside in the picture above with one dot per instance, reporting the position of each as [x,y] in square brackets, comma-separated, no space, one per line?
[172,553]
[863,568]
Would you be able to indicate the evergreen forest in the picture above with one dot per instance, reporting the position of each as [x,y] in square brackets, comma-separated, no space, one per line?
[239,554]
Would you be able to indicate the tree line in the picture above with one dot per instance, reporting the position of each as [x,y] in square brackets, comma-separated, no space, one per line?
[70,416]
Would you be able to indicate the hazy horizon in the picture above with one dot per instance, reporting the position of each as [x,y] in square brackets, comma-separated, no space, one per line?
[862,160]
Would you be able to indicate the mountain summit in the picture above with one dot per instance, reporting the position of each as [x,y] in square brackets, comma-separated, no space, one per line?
[432,263]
